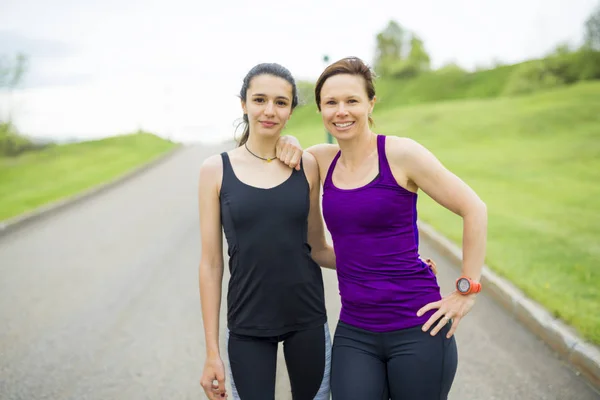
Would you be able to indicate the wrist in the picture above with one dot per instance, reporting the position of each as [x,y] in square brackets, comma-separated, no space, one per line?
[212,351]
[467,286]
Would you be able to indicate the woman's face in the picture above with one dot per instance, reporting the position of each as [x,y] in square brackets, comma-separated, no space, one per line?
[268,105]
[345,106]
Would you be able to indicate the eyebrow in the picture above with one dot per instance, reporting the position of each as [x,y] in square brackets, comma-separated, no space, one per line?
[264,95]
[347,97]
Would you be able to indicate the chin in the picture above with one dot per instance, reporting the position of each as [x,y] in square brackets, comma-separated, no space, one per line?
[269,133]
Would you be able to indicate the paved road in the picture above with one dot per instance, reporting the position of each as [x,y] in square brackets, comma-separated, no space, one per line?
[101,302]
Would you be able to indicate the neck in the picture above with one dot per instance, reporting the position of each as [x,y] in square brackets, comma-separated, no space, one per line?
[357,149]
[262,146]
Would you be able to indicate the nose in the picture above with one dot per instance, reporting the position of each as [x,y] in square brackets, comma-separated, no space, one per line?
[269,108]
[341,109]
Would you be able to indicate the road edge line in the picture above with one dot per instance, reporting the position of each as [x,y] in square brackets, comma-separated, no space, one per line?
[582,355]
[14,223]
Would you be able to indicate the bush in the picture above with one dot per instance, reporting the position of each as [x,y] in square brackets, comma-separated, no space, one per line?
[451,69]
[404,70]
[586,64]
[555,70]
[11,142]
[532,77]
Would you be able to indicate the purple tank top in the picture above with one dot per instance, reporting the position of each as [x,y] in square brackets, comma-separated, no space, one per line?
[382,280]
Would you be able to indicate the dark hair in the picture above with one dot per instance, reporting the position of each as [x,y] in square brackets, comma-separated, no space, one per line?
[265,69]
[351,66]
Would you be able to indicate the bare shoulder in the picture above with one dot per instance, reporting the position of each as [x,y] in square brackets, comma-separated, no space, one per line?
[211,170]
[324,152]
[399,145]
[311,168]
[400,149]
[309,160]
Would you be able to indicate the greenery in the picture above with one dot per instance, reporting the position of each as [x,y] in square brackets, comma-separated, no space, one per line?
[35,178]
[592,30]
[535,161]
[561,68]
[12,143]
[526,137]
[400,53]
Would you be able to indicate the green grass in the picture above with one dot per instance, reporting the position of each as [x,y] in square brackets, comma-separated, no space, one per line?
[535,161]
[40,177]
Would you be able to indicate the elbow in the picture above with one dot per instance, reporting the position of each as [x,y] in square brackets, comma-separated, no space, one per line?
[477,210]
[480,212]
[482,207]
[210,267]
[318,248]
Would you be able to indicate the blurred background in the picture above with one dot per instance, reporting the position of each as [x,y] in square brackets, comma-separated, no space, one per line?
[174,68]
[505,93]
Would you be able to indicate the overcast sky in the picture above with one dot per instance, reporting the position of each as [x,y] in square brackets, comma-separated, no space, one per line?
[98,68]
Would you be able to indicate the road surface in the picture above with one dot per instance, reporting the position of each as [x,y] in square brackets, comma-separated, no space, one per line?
[101,302]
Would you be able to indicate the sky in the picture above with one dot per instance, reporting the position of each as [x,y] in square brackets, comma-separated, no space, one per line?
[175,67]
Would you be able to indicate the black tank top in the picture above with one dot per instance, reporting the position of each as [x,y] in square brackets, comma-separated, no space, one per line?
[275,286]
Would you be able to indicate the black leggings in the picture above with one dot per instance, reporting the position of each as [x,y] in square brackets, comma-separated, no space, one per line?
[253,362]
[407,364]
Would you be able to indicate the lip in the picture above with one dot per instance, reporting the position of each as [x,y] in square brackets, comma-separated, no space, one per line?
[344,128]
[268,124]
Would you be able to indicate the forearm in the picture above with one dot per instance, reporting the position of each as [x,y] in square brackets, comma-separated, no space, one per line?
[325,257]
[474,241]
[211,279]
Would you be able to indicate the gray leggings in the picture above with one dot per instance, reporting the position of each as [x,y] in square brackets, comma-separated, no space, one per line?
[406,364]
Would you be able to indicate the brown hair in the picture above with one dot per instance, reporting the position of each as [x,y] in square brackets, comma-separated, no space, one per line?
[265,69]
[350,66]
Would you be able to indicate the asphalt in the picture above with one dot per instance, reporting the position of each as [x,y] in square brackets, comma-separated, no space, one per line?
[100,301]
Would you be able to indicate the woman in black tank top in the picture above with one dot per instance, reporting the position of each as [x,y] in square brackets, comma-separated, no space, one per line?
[275,238]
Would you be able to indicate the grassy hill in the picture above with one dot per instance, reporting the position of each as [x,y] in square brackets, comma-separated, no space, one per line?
[39,177]
[535,161]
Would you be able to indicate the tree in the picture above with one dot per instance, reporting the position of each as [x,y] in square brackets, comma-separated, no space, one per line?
[592,30]
[390,41]
[11,74]
[417,56]
[389,48]
[12,71]
[399,53]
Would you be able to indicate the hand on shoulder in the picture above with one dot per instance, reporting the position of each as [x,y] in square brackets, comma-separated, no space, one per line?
[289,151]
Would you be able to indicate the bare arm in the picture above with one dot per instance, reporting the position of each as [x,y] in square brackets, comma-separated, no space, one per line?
[321,252]
[427,172]
[211,271]
[423,170]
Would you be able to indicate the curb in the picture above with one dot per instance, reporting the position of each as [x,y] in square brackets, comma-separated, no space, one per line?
[583,356]
[12,224]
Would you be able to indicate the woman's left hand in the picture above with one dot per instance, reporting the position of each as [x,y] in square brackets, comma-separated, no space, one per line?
[451,308]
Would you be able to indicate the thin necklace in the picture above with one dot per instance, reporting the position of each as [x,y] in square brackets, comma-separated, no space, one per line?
[262,158]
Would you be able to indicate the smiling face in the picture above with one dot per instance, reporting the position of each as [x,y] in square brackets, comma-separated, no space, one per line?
[345,106]
[268,104]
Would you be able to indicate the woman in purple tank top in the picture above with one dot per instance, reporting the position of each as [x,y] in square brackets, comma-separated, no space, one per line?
[395,337]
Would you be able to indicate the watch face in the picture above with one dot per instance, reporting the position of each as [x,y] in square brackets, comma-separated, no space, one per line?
[463,285]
